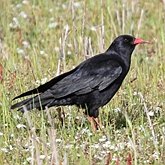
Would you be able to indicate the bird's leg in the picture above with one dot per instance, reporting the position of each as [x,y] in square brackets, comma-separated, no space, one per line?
[61,115]
[97,122]
[93,123]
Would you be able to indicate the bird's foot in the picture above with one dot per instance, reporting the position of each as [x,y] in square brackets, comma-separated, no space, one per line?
[95,123]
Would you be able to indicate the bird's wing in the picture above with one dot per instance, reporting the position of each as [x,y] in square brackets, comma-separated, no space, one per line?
[96,73]
[46,86]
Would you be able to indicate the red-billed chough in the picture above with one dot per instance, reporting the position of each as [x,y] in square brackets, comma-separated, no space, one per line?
[90,85]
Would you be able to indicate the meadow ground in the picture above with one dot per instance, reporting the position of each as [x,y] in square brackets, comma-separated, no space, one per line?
[40,39]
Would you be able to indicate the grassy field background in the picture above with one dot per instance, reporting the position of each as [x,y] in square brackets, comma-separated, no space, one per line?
[40,39]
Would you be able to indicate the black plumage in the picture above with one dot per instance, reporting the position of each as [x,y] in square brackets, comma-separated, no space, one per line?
[90,85]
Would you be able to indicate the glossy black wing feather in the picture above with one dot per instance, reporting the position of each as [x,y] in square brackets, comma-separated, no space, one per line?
[99,74]
[46,86]
[107,80]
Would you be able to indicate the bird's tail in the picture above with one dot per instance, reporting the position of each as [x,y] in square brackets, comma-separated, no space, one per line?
[39,102]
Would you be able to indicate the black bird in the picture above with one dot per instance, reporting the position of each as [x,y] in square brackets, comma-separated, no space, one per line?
[90,85]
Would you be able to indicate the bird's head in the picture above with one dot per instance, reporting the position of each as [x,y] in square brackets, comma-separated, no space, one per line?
[125,44]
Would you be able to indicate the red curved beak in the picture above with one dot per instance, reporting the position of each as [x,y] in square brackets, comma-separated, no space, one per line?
[139,41]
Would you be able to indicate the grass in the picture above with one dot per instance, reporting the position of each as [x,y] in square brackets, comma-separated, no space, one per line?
[41,39]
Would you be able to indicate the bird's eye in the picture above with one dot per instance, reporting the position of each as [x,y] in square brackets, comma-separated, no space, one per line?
[126,40]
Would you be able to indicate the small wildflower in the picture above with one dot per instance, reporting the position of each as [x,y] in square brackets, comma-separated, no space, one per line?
[69,53]
[135,93]
[77,4]
[98,157]
[10,147]
[42,157]
[121,146]
[93,28]
[29,159]
[58,140]
[90,134]
[21,126]
[20,51]
[78,155]
[4,150]
[1,134]
[151,113]
[155,155]
[52,25]
[12,135]
[96,146]
[57,49]
[51,10]
[15,23]
[18,6]
[64,6]
[103,152]
[17,117]
[69,45]
[104,138]
[25,44]
[68,146]
[23,14]
[117,110]
[42,52]
[77,117]
[107,144]
[25,2]
[5,124]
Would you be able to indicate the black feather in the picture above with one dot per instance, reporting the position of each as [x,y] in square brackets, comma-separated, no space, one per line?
[90,85]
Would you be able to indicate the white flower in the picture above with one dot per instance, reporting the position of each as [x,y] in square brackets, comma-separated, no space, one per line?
[68,146]
[78,155]
[98,157]
[57,49]
[1,134]
[20,51]
[104,138]
[156,155]
[4,150]
[14,24]
[17,117]
[42,52]
[51,10]
[69,53]
[21,126]
[103,152]
[95,146]
[10,147]
[29,159]
[25,2]
[93,28]
[151,113]
[42,156]
[107,144]
[117,110]
[18,5]
[135,93]
[25,44]
[12,135]
[52,25]
[58,140]
[23,14]
[76,4]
